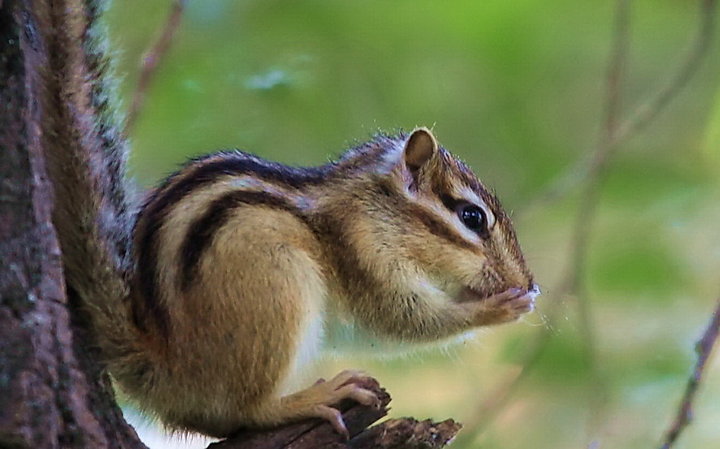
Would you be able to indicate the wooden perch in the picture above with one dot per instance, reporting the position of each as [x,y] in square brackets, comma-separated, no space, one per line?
[402,433]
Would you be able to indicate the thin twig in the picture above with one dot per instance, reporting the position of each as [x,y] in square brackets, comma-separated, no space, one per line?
[590,198]
[643,114]
[616,67]
[703,348]
[612,134]
[151,61]
[576,271]
[649,110]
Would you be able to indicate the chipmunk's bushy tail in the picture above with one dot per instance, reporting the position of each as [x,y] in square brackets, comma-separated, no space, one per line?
[86,154]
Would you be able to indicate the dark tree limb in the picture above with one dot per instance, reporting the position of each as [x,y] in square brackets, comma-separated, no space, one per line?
[52,392]
[704,348]
[403,433]
[407,433]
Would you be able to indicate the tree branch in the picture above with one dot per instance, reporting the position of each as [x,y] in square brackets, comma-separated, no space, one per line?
[704,349]
[403,433]
[151,61]
[643,114]
[646,112]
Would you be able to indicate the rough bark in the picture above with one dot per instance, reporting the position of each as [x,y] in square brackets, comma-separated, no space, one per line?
[403,433]
[52,392]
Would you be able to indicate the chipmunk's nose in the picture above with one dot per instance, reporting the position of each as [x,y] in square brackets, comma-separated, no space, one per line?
[534,291]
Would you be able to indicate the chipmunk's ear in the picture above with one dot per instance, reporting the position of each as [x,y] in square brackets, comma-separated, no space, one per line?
[420,147]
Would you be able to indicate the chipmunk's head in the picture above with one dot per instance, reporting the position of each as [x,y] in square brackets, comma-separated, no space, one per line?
[435,227]
[463,240]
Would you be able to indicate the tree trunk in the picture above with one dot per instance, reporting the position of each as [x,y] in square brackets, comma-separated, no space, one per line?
[52,391]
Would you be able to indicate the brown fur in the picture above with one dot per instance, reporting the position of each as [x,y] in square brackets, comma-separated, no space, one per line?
[251,264]
[93,204]
[207,307]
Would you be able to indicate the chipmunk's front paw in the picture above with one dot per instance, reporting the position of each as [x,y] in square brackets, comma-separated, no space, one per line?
[316,401]
[512,302]
[503,307]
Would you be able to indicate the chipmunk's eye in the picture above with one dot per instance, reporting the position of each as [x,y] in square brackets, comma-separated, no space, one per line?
[473,217]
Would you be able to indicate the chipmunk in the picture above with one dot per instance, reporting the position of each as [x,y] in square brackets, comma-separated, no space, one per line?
[210,295]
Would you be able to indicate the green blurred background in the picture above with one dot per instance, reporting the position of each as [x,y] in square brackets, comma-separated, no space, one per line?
[516,88]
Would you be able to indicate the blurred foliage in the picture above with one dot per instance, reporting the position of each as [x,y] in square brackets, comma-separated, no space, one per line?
[516,89]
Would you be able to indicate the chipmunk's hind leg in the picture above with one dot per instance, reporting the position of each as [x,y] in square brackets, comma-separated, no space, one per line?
[316,401]
[253,322]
